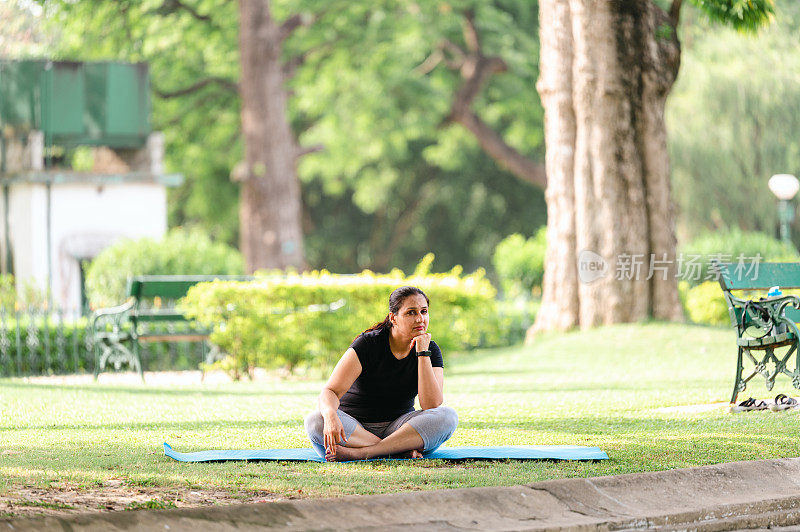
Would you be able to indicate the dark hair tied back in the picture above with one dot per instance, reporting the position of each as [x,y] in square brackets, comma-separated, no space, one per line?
[396,299]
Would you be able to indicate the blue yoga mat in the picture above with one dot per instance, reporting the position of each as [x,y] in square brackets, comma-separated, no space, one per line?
[515,452]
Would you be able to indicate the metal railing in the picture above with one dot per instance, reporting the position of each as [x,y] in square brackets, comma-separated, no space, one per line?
[36,341]
[40,341]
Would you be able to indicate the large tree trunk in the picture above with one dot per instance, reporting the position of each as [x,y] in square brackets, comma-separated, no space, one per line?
[270,209]
[606,69]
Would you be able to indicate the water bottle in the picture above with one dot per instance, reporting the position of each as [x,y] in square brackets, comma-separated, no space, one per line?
[775,291]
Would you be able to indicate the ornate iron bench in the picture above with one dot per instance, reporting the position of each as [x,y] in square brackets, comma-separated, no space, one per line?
[765,324]
[149,315]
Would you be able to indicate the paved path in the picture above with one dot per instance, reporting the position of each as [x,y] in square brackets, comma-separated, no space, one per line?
[737,496]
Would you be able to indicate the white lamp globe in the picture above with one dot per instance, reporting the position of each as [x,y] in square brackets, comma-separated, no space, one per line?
[784,186]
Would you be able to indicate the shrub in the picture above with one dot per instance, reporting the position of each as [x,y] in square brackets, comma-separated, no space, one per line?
[8,292]
[28,295]
[732,245]
[519,262]
[277,321]
[705,303]
[515,317]
[178,253]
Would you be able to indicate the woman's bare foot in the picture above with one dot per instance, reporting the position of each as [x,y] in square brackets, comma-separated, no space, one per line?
[344,454]
[414,453]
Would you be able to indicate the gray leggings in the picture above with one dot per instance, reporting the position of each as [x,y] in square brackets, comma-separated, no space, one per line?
[434,425]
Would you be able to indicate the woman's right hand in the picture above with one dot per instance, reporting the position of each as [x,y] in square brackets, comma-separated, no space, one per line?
[333,432]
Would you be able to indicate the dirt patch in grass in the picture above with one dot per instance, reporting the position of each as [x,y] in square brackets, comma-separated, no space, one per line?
[65,499]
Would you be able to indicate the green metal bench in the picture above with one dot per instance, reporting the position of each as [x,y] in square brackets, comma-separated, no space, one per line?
[777,321]
[149,315]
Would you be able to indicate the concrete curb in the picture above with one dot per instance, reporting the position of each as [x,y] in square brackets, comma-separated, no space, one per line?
[735,496]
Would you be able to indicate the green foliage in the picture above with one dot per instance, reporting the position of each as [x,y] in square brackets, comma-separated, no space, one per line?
[460,215]
[154,504]
[741,14]
[734,246]
[732,123]
[28,295]
[278,321]
[378,101]
[8,292]
[391,182]
[390,90]
[519,262]
[45,504]
[180,252]
[705,304]
[192,52]
[21,35]
[515,318]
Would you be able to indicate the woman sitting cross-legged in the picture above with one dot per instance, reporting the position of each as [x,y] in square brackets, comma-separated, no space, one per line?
[366,409]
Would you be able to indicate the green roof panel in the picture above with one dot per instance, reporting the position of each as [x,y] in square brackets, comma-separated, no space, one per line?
[101,103]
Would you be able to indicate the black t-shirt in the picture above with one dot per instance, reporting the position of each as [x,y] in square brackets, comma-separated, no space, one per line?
[386,388]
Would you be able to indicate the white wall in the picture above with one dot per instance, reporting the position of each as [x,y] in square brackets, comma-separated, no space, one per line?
[28,232]
[85,218]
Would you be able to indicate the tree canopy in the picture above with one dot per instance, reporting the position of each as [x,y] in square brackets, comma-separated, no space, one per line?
[391,175]
[732,122]
[371,91]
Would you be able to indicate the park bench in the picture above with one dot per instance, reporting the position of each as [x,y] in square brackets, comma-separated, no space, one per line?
[765,324]
[148,315]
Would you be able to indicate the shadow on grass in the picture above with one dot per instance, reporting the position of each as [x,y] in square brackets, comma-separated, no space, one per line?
[480,372]
[639,455]
[146,390]
[496,388]
[218,425]
[621,429]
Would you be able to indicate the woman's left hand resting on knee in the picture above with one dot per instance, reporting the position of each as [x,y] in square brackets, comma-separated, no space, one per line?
[333,431]
[344,374]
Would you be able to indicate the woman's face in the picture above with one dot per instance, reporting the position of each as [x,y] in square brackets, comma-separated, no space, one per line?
[412,318]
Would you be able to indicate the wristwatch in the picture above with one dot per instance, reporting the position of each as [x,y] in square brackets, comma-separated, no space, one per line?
[423,353]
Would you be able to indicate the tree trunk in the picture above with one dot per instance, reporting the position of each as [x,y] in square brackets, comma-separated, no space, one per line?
[606,69]
[270,209]
[559,309]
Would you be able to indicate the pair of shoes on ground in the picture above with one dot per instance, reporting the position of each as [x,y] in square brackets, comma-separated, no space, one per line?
[782,402]
[750,404]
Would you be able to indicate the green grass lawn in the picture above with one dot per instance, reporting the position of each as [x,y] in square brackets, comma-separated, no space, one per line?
[601,387]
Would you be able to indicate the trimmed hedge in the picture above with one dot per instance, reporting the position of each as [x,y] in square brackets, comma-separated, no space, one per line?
[8,292]
[732,244]
[705,303]
[277,321]
[702,299]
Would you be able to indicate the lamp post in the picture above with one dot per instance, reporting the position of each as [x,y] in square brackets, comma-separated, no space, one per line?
[784,186]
